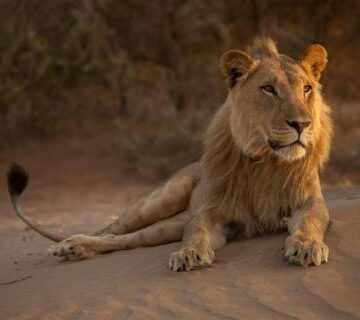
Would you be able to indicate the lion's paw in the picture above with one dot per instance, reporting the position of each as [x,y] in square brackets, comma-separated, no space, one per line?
[77,247]
[305,252]
[188,259]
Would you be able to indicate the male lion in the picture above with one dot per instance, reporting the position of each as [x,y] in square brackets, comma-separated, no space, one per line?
[259,171]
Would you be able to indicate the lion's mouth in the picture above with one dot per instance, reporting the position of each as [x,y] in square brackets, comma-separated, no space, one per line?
[276,145]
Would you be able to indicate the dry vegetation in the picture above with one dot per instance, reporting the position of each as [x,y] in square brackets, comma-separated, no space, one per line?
[148,70]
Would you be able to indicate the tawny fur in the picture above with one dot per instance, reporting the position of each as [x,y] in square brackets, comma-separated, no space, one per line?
[252,176]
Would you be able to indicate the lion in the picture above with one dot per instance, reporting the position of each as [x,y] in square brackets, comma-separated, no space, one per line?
[259,172]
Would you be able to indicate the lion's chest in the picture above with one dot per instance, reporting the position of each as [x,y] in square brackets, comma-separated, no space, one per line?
[264,206]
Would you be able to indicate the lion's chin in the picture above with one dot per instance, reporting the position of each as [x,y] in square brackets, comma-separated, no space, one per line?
[291,153]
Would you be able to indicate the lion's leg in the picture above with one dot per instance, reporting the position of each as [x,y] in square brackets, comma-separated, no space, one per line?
[305,245]
[171,198]
[80,247]
[202,237]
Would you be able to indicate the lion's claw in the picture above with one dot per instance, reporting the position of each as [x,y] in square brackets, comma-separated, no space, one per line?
[305,252]
[77,247]
[190,258]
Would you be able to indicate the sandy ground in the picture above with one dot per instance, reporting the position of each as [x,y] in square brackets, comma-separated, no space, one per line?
[78,190]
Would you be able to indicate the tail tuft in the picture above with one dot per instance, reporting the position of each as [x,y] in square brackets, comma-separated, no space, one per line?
[17,179]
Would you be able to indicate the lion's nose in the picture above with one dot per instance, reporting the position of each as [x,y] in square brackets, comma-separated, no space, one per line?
[299,126]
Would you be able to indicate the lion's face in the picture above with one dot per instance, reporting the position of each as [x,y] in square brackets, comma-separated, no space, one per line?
[273,103]
[273,110]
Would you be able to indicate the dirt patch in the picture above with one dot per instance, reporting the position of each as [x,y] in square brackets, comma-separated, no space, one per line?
[75,189]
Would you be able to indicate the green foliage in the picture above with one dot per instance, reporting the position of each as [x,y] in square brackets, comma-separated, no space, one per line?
[148,69]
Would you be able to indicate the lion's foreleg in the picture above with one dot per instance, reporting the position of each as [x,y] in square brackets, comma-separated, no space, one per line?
[305,245]
[80,247]
[203,235]
[171,198]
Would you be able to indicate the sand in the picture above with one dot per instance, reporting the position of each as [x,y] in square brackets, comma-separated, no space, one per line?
[250,280]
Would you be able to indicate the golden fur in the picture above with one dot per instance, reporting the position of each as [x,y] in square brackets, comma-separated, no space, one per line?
[259,171]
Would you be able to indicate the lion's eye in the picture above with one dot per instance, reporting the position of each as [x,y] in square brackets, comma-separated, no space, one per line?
[307,89]
[269,89]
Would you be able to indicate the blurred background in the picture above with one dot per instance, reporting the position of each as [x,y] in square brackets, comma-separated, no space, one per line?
[139,80]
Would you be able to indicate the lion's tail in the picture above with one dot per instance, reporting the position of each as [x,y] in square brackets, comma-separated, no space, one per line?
[17,179]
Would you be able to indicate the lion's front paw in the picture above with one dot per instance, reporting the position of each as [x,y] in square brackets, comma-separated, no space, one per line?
[77,247]
[188,259]
[304,252]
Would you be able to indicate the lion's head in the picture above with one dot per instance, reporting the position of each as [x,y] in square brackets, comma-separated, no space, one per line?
[274,99]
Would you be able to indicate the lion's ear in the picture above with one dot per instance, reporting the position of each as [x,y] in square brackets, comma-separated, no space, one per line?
[234,64]
[315,58]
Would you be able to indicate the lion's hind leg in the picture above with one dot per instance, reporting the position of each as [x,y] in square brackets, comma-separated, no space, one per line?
[169,199]
[79,247]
